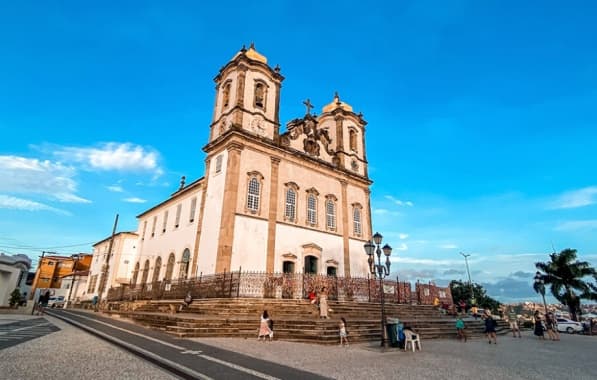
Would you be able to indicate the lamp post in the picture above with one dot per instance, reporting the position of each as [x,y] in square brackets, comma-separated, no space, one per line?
[381,271]
[540,288]
[72,284]
[470,283]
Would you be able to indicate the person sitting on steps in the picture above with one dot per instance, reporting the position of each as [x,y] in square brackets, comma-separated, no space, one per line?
[188,299]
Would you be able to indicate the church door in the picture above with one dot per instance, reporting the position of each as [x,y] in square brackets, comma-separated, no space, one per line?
[310,265]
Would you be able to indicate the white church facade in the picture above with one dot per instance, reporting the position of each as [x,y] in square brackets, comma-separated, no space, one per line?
[269,201]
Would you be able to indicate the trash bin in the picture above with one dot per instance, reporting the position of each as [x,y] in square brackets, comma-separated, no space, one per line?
[391,324]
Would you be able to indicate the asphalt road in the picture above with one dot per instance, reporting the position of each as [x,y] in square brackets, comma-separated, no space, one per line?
[184,358]
[21,331]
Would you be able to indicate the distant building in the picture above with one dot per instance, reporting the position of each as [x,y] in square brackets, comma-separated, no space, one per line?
[13,275]
[51,270]
[74,286]
[118,266]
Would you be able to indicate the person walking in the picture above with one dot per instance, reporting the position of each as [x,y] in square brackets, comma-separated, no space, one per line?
[538,326]
[550,325]
[513,320]
[323,303]
[343,332]
[264,330]
[460,329]
[490,325]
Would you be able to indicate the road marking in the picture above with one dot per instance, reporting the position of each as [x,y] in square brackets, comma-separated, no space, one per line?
[133,347]
[179,348]
[191,352]
[207,357]
[22,328]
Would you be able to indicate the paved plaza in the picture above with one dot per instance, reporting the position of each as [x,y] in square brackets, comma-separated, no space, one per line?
[574,357]
[70,353]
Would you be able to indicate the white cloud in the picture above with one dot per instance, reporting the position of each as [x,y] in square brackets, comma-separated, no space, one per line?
[134,200]
[448,246]
[577,198]
[403,236]
[115,188]
[399,202]
[402,247]
[23,175]
[113,156]
[15,203]
[380,211]
[431,262]
[577,225]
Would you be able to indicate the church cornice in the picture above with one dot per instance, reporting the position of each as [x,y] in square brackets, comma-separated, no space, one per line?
[243,109]
[236,132]
[243,60]
[175,196]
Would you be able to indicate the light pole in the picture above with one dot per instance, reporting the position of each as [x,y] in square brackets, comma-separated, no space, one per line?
[381,271]
[540,288]
[470,283]
[72,284]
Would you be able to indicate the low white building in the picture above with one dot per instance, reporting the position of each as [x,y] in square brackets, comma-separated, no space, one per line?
[13,275]
[74,287]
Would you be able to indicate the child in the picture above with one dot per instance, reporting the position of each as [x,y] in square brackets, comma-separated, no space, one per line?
[343,332]
[460,329]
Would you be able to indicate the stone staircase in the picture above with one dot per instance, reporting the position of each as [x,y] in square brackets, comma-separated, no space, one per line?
[294,320]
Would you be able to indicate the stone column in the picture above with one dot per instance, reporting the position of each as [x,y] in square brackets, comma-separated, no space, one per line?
[345,228]
[272,216]
[224,254]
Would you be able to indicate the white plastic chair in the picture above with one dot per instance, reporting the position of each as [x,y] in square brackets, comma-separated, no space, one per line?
[413,339]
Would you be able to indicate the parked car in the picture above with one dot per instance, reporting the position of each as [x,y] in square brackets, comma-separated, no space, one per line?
[569,326]
[56,302]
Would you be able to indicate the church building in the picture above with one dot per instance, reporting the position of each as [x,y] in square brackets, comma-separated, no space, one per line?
[272,201]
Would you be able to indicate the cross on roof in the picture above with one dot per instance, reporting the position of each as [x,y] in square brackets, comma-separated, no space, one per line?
[308,104]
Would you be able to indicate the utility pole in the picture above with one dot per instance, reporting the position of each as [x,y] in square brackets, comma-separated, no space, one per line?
[72,283]
[470,283]
[106,266]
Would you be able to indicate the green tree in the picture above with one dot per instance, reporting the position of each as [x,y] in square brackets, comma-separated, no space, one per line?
[462,291]
[15,298]
[566,277]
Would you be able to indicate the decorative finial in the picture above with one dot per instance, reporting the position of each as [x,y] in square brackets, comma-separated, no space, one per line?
[308,104]
[277,68]
[243,49]
[182,182]
[252,46]
[337,98]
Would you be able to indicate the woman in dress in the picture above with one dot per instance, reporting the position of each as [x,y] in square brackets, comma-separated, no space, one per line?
[264,329]
[343,332]
[323,303]
[538,325]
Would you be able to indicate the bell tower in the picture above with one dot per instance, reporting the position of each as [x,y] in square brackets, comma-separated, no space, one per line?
[247,96]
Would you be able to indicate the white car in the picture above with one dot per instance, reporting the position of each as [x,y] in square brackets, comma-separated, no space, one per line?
[569,326]
[56,302]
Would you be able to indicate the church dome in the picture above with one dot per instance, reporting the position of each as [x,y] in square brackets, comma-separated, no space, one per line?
[336,103]
[251,53]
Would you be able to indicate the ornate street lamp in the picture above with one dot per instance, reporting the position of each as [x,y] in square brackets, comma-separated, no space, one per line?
[540,288]
[381,271]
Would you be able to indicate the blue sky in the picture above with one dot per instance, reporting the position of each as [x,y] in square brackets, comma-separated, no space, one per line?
[482,118]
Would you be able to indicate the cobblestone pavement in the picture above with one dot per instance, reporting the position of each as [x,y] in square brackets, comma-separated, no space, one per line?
[574,357]
[72,354]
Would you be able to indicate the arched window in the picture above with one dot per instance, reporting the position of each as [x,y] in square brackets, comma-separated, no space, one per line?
[356,220]
[254,183]
[135,275]
[260,95]
[170,267]
[184,264]
[145,273]
[330,212]
[290,202]
[156,270]
[226,94]
[352,139]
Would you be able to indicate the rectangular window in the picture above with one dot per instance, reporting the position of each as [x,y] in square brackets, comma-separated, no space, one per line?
[144,229]
[219,164]
[312,210]
[253,195]
[330,211]
[356,220]
[155,221]
[178,210]
[50,263]
[193,209]
[290,205]
[165,221]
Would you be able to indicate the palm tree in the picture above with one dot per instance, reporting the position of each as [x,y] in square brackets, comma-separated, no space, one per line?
[565,275]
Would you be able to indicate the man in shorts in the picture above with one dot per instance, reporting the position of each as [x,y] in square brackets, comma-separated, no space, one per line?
[513,323]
